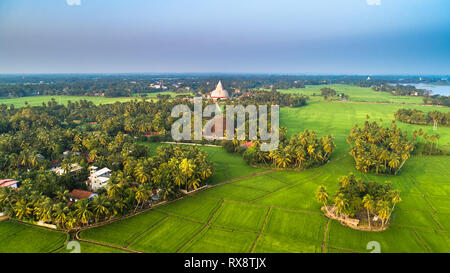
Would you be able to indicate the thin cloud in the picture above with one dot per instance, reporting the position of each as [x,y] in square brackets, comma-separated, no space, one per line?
[373,2]
[73,2]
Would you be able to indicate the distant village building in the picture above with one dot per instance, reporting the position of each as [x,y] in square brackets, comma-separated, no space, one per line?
[76,195]
[219,92]
[9,183]
[98,179]
[73,168]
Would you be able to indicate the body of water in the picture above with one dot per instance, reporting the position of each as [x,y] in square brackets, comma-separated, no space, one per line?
[443,90]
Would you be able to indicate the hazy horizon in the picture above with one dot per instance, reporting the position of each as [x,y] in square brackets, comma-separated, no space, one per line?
[285,37]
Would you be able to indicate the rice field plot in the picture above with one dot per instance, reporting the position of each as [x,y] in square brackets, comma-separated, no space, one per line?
[263,182]
[91,248]
[290,231]
[233,192]
[217,240]
[227,166]
[435,241]
[413,218]
[440,203]
[17,237]
[122,232]
[198,207]
[392,240]
[444,220]
[240,216]
[167,237]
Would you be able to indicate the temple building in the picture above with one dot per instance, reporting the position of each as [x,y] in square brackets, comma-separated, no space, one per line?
[219,92]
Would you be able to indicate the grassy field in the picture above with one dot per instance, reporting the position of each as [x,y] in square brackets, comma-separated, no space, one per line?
[355,93]
[16,237]
[277,211]
[38,100]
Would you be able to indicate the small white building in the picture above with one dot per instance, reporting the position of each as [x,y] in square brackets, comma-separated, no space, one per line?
[98,178]
[73,168]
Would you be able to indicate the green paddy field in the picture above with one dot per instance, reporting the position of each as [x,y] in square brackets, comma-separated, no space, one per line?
[257,210]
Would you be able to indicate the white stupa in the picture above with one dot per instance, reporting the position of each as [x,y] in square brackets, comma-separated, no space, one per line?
[219,92]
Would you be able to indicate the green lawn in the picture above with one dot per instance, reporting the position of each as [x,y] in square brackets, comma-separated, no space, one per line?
[355,93]
[16,237]
[170,93]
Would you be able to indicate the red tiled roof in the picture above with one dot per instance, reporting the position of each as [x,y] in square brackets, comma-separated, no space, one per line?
[80,194]
[8,182]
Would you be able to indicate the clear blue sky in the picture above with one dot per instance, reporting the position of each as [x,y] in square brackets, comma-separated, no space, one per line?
[256,36]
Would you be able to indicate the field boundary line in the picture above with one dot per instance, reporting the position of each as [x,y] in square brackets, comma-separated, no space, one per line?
[183,218]
[286,187]
[232,229]
[104,244]
[145,231]
[344,249]
[429,204]
[261,231]
[420,240]
[240,178]
[436,222]
[324,241]
[63,245]
[203,228]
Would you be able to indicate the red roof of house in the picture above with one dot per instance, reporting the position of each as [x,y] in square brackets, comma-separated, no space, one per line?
[80,194]
[8,182]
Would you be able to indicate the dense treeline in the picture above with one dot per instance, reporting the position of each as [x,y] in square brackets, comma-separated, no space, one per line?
[129,189]
[361,200]
[379,149]
[437,100]
[34,139]
[272,97]
[301,151]
[400,90]
[414,116]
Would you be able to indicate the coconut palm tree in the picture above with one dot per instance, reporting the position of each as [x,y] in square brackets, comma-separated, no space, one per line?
[83,211]
[369,205]
[322,196]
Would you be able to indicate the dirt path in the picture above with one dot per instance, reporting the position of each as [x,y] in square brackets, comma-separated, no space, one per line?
[103,244]
[324,242]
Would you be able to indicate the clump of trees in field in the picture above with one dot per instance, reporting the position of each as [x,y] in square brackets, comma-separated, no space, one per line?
[414,116]
[379,149]
[328,92]
[400,90]
[301,151]
[371,203]
[428,145]
[437,100]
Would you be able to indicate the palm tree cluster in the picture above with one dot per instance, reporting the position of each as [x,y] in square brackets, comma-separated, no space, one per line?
[361,199]
[130,189]
[414,116]
[379,149]
[301,151]
[428,145]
